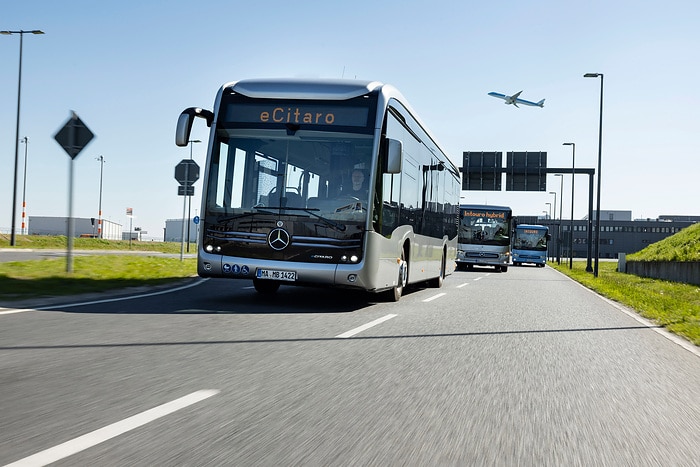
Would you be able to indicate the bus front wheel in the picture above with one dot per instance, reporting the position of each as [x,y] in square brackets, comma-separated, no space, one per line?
[396,292]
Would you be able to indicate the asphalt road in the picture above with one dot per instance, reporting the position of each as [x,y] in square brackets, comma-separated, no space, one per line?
[518,368]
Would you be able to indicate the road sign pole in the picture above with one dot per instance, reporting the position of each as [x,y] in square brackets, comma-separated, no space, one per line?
[184,206]
[182,244]
[71,224]
[73,137]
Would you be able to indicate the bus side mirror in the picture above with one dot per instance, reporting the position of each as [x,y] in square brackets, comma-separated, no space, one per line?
[184,124]
[393,156]
[548,236]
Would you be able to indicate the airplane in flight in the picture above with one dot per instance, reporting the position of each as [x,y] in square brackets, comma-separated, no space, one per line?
[515,100]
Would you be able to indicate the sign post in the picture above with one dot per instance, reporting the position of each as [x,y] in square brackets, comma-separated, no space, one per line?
[130,215]
[73,137]
[186,173]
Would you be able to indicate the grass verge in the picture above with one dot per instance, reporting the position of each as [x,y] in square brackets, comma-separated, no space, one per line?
[673,305]
[20,280]
[43,242]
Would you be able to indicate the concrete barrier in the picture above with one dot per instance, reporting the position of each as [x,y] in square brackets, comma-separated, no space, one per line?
[687,272]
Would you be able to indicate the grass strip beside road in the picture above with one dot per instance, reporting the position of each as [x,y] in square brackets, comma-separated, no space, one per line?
[21,280]
[672,305]
[60,242]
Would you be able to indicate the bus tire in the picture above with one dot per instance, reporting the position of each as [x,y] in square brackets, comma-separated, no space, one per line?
[504,268]
[396,292]
[266,287]
[437,282]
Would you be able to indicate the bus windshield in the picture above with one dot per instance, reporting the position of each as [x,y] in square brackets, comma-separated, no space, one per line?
[484,227]
[530,239]
[322,172]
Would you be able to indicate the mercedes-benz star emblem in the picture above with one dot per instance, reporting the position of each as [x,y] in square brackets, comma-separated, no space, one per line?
[278,239]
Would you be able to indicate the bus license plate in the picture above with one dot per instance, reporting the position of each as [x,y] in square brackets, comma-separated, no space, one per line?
[274,274]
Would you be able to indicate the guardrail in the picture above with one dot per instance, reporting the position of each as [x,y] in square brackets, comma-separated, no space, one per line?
[687,272]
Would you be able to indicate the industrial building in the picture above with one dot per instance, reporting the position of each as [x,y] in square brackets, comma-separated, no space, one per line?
[84,227]
[173,231]
[618,232]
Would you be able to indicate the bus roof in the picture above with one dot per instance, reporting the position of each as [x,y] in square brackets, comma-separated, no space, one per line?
[329,89]
[291,88]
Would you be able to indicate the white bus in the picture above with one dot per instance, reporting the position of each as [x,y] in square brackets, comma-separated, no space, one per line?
[278,205]
[484,236]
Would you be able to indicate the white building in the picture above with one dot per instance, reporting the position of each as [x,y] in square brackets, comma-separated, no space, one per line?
[84,227]
[173,231]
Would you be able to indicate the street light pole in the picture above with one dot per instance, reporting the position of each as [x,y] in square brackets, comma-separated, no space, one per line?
[25,140]
[189,200]
[561,205]
[600,151]
[99,207]
[555,223]
[555,203]
[571,226]
[550,219]
[19,93]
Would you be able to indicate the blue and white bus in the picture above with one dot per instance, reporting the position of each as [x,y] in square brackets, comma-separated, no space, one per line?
[530,244]
[484,236]
[277,205]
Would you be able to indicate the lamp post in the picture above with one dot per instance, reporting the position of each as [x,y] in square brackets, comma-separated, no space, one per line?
[555,222]
[25,140]
[555,203]
[550,219]
[600,150]
[99,206]
[19,92]
[189,200]
[571,225]
[561,205]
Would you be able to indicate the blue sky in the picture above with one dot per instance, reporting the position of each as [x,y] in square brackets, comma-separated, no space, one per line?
[129,68]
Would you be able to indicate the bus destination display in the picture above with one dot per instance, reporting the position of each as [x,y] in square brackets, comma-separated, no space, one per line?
[298,114]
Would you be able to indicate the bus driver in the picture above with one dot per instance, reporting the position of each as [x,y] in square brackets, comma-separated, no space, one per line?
[358,190]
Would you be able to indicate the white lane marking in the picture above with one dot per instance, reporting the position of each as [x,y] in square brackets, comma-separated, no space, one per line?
[364,327]
[462,285]
[9,311]
[101,435]
[430,299]
[479,278]
[106,300]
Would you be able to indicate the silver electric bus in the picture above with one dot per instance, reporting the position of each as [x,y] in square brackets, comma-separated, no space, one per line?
[323,183]
[484,236]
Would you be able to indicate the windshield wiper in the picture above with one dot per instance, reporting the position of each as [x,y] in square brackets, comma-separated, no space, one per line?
[336,225]
[222,219]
